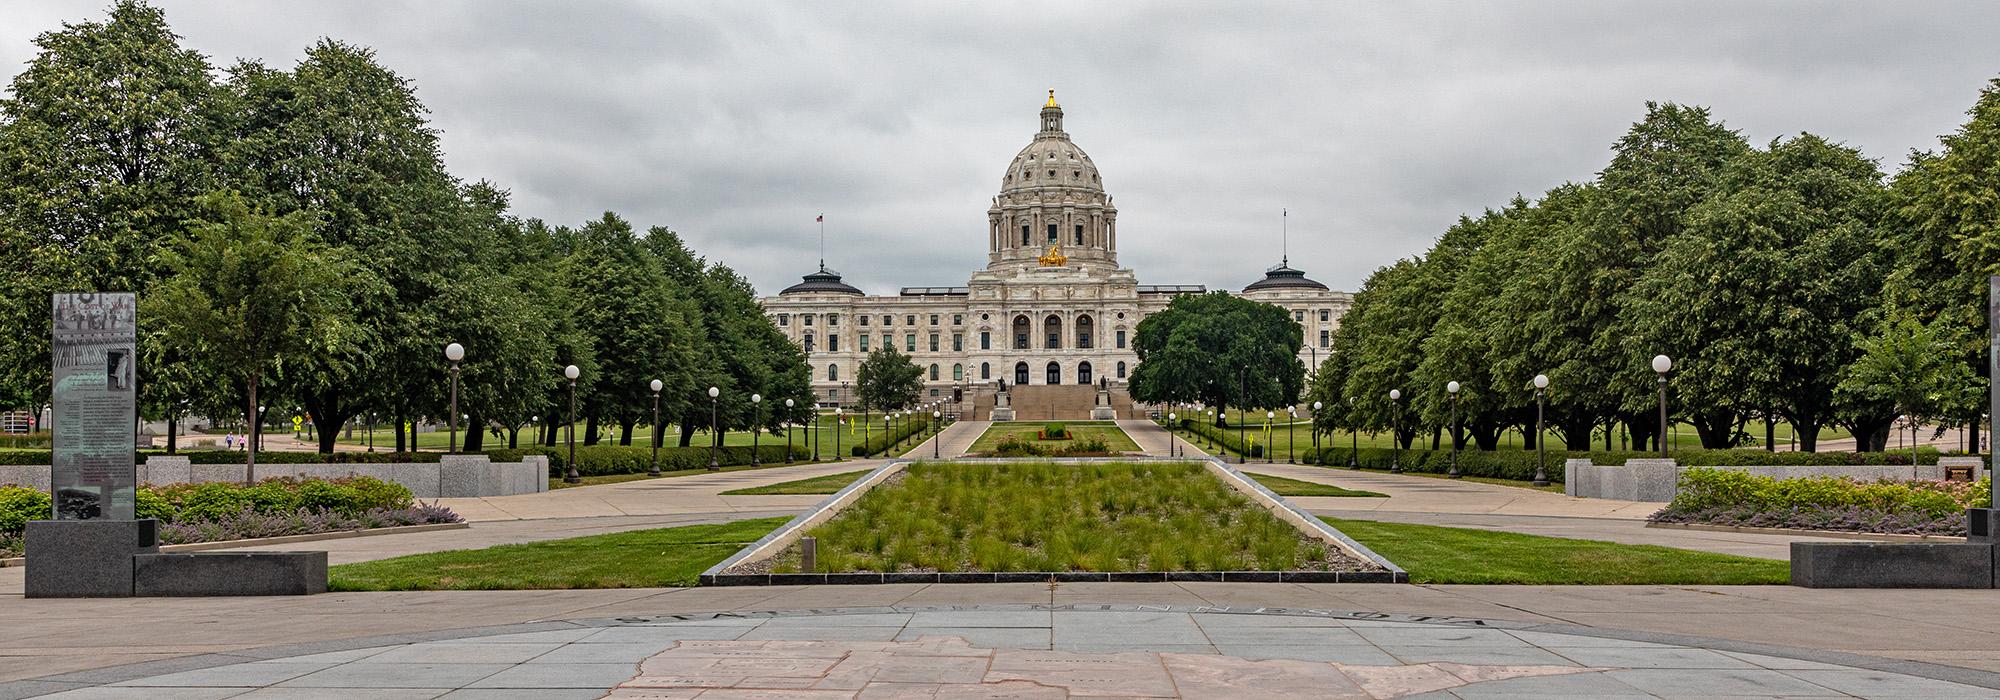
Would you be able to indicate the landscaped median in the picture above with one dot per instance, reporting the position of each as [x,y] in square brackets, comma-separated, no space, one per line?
[1724,497]
[1083,520]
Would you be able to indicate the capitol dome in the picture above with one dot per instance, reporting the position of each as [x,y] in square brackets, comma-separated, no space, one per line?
[1284,276]
[1052,205]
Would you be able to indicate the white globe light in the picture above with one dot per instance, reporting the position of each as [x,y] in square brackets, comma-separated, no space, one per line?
[1173,416]
[714,392]
[454,352]
[657,384]
[788,403]
[1270,414]
[1541,381]
[1395,394]
[836,410]
[1451,387]
[571,372]
[1317,405]
[937,414]
[1662,363]
[756,398]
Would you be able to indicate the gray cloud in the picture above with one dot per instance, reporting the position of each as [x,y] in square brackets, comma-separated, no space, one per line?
[1376,124]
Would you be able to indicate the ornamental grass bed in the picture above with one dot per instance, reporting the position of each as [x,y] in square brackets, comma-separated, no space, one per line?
[1044,517]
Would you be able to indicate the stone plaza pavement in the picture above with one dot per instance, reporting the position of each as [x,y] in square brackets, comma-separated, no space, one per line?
[927,643]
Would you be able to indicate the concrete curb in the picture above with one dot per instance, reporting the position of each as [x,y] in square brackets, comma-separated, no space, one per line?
[1835,534]
[285,539]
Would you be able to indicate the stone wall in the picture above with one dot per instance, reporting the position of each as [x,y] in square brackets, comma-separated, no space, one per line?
[1658,480]
[455,476]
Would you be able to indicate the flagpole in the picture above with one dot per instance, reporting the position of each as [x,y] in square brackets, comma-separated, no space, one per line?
[1285,237]
[822,241]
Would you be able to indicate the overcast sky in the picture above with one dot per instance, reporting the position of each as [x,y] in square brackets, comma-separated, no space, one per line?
[1375,124]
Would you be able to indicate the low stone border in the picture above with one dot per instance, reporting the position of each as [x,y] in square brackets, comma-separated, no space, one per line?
[145,669]
[285,539]
[1837,534]
[770,545]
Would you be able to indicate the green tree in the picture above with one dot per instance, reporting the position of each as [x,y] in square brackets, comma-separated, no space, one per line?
[1914,367]
[250,293]
[106,138]
[1534,331]
[887,380]
[1220,350]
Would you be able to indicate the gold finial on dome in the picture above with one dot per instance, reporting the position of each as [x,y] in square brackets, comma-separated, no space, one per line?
[1052,99]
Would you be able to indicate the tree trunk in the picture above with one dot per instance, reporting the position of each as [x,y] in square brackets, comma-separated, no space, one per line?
[1437,438]
[687,433]
[1807,432]
[250,453]
[1608,430]
[475,435]
[590,435]
[1717,429]
[1641,430]
[625,432]
[173,422]
[1485,437]
[1770,433]
[513,437]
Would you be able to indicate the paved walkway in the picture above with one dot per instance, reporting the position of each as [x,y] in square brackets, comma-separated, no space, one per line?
[698,493]
[956,440]
[971,640]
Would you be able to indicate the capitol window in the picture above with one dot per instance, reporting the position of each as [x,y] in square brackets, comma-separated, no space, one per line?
[1052,229]
[809,343]
[958,319]
[1299,315]
[1324,315]
[833,373]
[888,320]
[934,319]
[1079,234]
[934,371]
[1121,339]
[909,342]
[910,320]
[807,318]
[832,343]
[784,319]
[958,373]
[1121,370]
[1024,234]
[833,319]
[1325,338]
[864,320]
[934,342]
[985,370]
[985,340]
[958,342]
[864,343]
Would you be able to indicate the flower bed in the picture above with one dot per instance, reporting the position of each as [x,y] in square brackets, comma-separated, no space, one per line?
[1089,446]
[1727,497]
[214,512]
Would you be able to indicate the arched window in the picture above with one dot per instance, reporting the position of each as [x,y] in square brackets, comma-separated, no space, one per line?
[809,343]
[1020,373]
[985,370]
[1052,327]
[1054,374]
[1021,329]
[958,373]
[1083,332]
[1121,370]
[934,371]
[833,373]
[1083,373]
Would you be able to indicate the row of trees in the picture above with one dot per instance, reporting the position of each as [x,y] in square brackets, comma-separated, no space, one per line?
[1788,281]
[296,240]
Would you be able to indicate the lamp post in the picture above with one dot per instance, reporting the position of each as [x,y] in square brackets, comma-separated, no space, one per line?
[656,385]
[812,434]
[1291,427]
[1268,417]
[714,428]
[1353,438]
[1314,458]
[756,427]
[454,352]
[371,431]
[1211,424]
[837,420]
[937,443]
[788,430]
[1662,364]
[1396,430]
[1541,435]
[572,477]
[1243,396]
[1452,388]
[1172,419]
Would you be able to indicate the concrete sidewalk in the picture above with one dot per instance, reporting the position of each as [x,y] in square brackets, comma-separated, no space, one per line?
[697,493]
[955,441]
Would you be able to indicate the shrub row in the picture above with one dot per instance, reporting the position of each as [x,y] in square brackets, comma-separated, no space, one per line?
[1226,437]
[350,496]
[1015,446]
[601,460]
[1727,497]
[42,456]
[24,441]
[1520,464]
[881,441]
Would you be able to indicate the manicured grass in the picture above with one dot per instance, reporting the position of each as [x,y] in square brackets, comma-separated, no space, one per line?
[556,482]
[1114,438]
[1037,516]
[1293,487]
[831,483]
[672,556]
[1457,555]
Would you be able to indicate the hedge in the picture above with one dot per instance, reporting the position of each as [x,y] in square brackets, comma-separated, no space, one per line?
[28,441]
[600,460]
[19,457]
[349,496]
[1729,497]
[1227,437]
[880,441]
[1520,464]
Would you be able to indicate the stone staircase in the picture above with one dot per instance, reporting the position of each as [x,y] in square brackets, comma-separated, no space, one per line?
[1062,402]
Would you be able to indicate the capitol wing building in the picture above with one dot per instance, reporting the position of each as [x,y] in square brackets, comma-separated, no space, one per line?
[1051,316]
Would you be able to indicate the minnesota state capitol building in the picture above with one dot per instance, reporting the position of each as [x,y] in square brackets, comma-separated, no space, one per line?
[1049,320]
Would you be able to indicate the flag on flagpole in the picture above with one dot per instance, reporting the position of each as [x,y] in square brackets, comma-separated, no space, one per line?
[821,218]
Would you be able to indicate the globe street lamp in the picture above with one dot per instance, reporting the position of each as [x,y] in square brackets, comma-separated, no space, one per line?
[1541,434]
[1268,417]
[1172,418]
[454,352]
[836,434]
[1353,438]
[1662,364]
[1291,446]
[656,385]
[1396,430]
[937,443]
[572,477]
[714,429]
[756,426]
[1315,457]
[812,434]
[1452,388]
[788,430]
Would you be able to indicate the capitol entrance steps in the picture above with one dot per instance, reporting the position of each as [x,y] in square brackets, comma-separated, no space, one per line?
[1063,402]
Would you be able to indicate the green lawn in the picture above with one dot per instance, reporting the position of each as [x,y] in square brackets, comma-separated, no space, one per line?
[556,482]
[1114,438]
[1293,487]
[672,556]
[1457,555]
[818,485]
